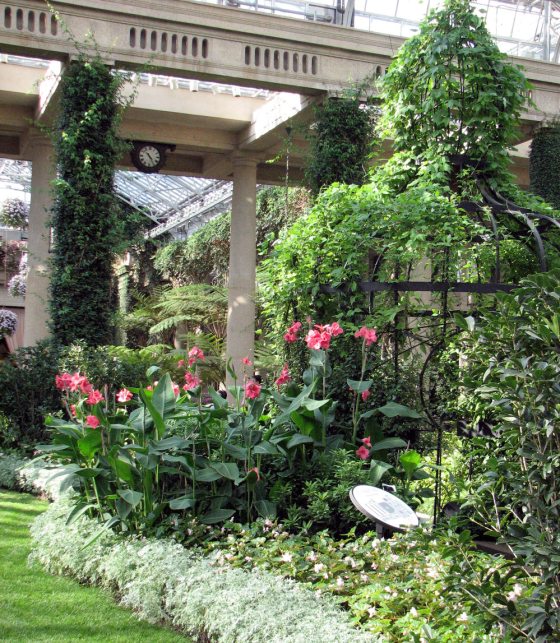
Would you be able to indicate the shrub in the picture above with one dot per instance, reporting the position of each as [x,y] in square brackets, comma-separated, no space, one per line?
[513,360]
[17,286]
[21,474]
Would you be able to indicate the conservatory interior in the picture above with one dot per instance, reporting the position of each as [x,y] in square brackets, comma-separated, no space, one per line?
[280,320]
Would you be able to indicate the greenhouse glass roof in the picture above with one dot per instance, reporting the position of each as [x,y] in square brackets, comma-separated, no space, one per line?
[176,204]
[526,28]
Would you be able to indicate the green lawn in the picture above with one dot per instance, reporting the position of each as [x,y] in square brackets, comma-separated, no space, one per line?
[35,606]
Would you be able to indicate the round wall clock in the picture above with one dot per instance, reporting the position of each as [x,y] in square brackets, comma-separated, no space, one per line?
[148,157]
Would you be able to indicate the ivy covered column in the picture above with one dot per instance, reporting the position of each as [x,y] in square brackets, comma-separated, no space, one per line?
[242,263]
[36,301]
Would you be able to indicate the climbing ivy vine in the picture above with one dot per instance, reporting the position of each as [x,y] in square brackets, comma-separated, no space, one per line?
[86,215]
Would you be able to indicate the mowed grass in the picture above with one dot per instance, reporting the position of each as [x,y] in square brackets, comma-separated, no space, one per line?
[35,606]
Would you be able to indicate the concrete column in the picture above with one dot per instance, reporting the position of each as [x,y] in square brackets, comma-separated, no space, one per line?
[242,264]
[43,172]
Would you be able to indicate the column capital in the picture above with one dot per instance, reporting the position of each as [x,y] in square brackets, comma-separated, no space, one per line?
[244,159]
[33,139]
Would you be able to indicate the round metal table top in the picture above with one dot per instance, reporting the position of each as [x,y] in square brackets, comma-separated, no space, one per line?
[383,507]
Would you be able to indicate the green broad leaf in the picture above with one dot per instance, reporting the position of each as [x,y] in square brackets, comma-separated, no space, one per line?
[312,405]
[392,409]
[133,498]
[410,461]
[171,443]
[163,397]
[184,502]
[90,443]
[154,413]
[304,424]
[227,470]
[377,470]
[298,439]
[388,443]
[265,448]
[216,515]
[151,371]
[123,470]
[123,509]
[89,472]
[358,385]
[206,475]
[235,451]
[77,511]
[266,509]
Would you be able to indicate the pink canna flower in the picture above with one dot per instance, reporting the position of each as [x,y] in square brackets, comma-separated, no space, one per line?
[191,381]
[334,329]
[181,363]
[73,410]
[290,335]
[362,452]
[80,383]
[247,361]
[318,338]
[195,354]
[95,397]
[252,390]
[284,377]
[369,335]
[63,381]
[149,388]
[92,421]
[365,395]
[367,442]
[176,389]
[124,395]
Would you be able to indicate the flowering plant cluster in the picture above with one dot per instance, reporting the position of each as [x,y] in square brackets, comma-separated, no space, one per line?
[8,322]
[400,588]
[17,286]
[155,454]
[14,213]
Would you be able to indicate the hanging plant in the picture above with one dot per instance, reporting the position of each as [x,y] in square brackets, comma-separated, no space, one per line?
[17,285]
[544,164]
[8,322]
[14,214]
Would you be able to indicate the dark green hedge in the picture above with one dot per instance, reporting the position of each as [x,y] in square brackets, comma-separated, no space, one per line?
[544,164]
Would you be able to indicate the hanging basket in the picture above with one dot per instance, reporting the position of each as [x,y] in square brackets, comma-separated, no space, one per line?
[14,214]
[8,322]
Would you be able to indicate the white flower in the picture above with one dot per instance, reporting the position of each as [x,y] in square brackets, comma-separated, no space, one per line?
[515,592]
[339,582]
[364,578]
[372,611]
[350,561]
[286,557]
[312,556]
[318,567]
[413,612]
[463,617]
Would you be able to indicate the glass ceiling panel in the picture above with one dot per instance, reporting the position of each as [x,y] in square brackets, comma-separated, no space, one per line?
[176,204]
[525,28]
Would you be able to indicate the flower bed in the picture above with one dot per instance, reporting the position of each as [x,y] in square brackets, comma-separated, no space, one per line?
[164,582]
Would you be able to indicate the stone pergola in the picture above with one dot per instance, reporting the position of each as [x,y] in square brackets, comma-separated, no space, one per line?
[236,136]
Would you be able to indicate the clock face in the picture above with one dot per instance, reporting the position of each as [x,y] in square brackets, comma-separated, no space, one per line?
[149,156]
